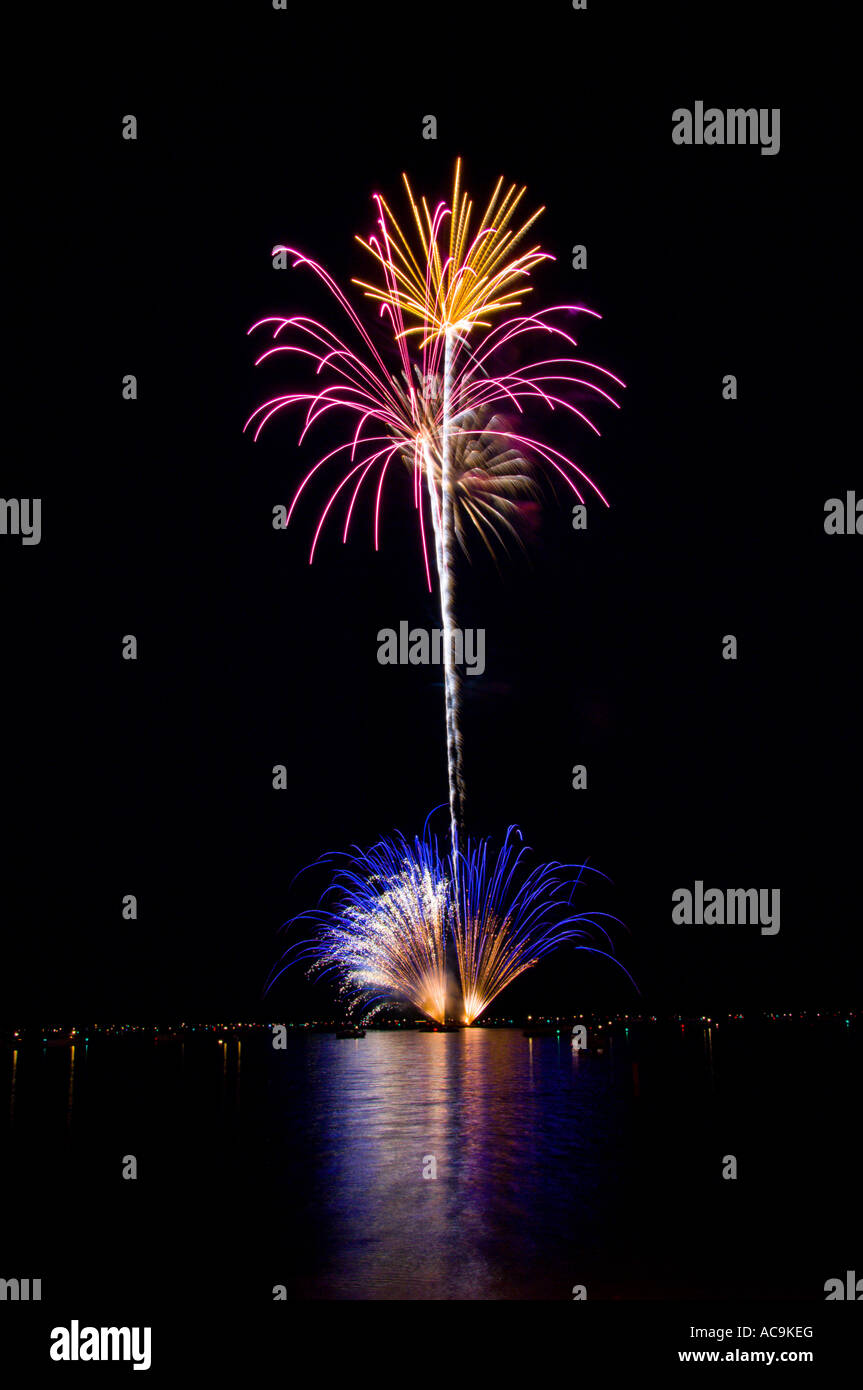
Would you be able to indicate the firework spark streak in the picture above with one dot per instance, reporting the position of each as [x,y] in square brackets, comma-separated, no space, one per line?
[382,927]
[509,916]
[441,410]
[384,923]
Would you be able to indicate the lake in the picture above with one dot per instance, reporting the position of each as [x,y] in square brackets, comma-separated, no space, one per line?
[546,1167]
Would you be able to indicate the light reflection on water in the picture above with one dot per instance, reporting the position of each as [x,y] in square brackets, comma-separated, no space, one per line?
[519,1132]
[12,1088]
[554,1167]
[70,1095]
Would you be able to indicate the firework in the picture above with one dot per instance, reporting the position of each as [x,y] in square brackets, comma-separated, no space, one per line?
[386,922]
[382,927]
[461,287]
[453,290]
[510,916]
[441,413]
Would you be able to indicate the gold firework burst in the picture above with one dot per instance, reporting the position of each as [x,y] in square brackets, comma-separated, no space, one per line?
[474,275]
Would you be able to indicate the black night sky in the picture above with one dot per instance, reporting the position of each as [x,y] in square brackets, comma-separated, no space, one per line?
[155,777]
